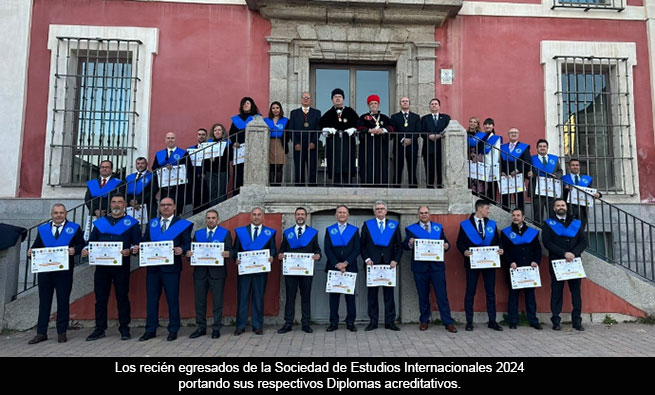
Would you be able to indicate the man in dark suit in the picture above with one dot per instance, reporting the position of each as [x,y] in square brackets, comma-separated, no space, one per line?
[342,246]
[381,245]
[141,188]
[99,189]
[514,158]
[339,125]
[115,227]
[426,272]
[198,192]
[253,237]
[573,178]
[57,233]
[407,126]
[171,156]
[479,231]
[544,165]
[303,127]
[564,238]
[212,278]
[433,126]
[299,238]
[522,248]
[166,227]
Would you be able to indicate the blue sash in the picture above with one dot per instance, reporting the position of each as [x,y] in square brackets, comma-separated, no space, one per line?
[135,188]
[171,233]
[277,130]
[96,191]
[217,237]
[240,123]
[550,168]
[482,137]
[177,155]
[516,239]
[118,228]
[65,236]
[511,156]
[435,233]
[474,236]
[262,239]
[584,181]
[381,239]
[341,239]
[560,230]
[304,240]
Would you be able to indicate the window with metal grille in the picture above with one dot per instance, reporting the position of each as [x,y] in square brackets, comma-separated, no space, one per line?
[586,5]
[594,125]
[94,112]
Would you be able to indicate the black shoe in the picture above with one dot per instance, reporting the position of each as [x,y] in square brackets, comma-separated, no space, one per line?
[95,335]
[332,328]
[351,327]
[469,326]
[61,338]
[307,329]
[578,327]
[125,336]
[512,326]
[557,327]
[537,326]
[285,328]
[147,336]
[258,331]
[494,325]
[370,327]
[171,336]
[392,326]
[197,333]
[38,339]
[238,332]
[216,334]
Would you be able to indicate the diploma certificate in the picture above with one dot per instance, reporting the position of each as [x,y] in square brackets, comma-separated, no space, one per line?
[568,270]
[105,253]
[380,276]
[174,176]
[240,154]
[483,172]
[428,250]
[525,277]
[550,187]
[207,254]
[298,264]
[511,184]
[578,196]
[485,257]
[340,283]
[254,262]
[156,253]
[49,259]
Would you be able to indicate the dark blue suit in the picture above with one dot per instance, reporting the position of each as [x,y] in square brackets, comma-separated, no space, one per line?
[304,136]
[403,153]
[168,277]
[335,255]
[431,150]
[426,272]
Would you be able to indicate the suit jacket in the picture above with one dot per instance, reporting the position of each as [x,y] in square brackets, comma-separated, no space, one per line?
[400,131]
[521,164]
[347,253]
[102,203]
[557,246]
[76,242]
[238,245]
[428,127]
[182,240]
[311,248]
[464,243]
[202,272]
[421,266]
[130,237]
[522,254]
[381,255]
[297,123]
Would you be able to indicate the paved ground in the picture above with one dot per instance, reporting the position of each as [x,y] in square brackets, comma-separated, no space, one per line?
[597,340]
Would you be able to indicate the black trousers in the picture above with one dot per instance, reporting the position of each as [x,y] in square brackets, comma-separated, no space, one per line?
[433,168]
[301,159]
[102,280]
[530,305]
[292,283]
[557,297]
[389,305]
[178,194]
[409,155]
[62,283]
[202,285]
[238,177]
[351,309]
[489,277]
[513,200]
[580,212]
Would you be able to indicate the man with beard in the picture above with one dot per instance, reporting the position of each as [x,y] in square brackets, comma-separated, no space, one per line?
[141,188]
[374,128]
[339,126]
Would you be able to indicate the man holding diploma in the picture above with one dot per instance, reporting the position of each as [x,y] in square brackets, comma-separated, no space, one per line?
[381,245]
[253,237]
[426,272]
[522,248]
[299,238]
[57,233]
[212,278]
[479,231]
[122,228]
[564,238]
[165,228]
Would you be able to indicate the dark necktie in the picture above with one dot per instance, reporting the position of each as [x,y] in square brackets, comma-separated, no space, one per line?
[164,224]
[210,235]
[256,233]
[138,176]
[57,233]
[577,179]
[481,228]
[427,228]
[543,160]
[299,231]
[102,184]
[436,119]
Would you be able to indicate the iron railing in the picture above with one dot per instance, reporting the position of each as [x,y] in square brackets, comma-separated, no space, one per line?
[586,5]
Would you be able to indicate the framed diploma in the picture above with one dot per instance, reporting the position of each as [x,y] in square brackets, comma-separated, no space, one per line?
[380,276]
[485,257]
[105,253]
[340,283]
[253,262]
[525,277]
[578,196]
[49,259]
[550,187]
[207,254]
[174,176]
[298,264]
[428,250]
[568,270]
[156,253]
[511,184]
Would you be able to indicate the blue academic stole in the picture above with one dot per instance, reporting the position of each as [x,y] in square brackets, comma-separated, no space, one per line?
[511,156]
[304,240]
[252,245]
[418,231]
[65,236]
[584,181]
[177,155]
[560,230]
[481,137]
[527,237]
[381,239]
[135,188]
[277,129]
[171,233]
[549,168]
[118,228]
[217,237]
[240,123]
[341,239]
[96,191]
[474,236]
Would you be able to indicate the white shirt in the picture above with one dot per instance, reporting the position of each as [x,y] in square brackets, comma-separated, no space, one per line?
[342,227]
[305,109]
[561,218]
[303,227]
[211,230]
[424,224]
[53,228]
[168,223]
[252,230]
[381,223]
[477,221]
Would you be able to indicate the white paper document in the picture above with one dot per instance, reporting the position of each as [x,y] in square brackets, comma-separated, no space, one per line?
[485,257]
[105,253]
[428,250]
[240,154]
[207,254]
[49,259]
[525,277]
[483,172]
[550,187]
[156,253]
[298,264]
[174,176]
[380,276]
[140,214]
[578,196]
[213,150]
[197,156]
[341,283]
[253,262]
[568,270]
[511,184]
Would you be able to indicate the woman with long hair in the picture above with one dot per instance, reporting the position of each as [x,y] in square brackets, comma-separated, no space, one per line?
[247,111]
[277,158]
[217,174]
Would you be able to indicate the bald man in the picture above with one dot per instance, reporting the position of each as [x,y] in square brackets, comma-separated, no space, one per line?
[171,156]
